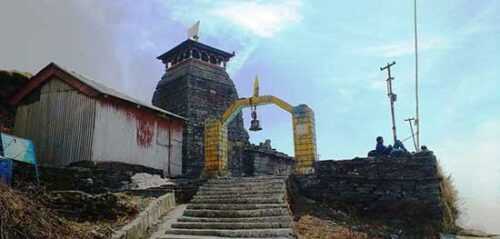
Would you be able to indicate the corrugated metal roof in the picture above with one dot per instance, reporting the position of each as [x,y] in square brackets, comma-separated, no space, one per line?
[108,91]
[97,86]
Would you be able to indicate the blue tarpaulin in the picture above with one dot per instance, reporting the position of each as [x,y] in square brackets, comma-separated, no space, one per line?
[5,170]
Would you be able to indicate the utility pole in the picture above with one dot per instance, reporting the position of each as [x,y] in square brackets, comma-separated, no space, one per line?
[412,132]
[392,96]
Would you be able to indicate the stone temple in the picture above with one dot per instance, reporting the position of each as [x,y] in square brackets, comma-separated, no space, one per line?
[196,85]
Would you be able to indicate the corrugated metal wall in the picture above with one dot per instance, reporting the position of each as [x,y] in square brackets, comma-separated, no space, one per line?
[67,126]
[60,124]
[131,135]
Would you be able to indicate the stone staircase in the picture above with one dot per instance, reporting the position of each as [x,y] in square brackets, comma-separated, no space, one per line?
[249,207]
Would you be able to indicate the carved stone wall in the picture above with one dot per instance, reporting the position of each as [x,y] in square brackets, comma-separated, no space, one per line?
[198,90]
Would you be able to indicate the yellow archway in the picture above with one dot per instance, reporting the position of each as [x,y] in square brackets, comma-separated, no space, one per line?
[304,134]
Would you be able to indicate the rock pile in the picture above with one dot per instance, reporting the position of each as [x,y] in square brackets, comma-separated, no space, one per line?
[82,206]
[145,181]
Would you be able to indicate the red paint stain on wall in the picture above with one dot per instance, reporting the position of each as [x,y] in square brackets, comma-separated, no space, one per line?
[146,121]
[145,132]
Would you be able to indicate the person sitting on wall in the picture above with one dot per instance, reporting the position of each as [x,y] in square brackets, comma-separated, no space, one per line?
[380,149]
[424,151]
[399,149]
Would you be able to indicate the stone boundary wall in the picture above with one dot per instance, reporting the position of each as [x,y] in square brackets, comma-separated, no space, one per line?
[259,162]
[392,186]
[84,176]
[145,221]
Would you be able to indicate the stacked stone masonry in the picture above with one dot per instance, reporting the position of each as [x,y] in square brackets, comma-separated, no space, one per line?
[377,185]
[199,91]
[260,160]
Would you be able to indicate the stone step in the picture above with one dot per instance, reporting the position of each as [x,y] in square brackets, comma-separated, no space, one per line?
[241,196]
[248,179]
[230,225]
[211,237]
[236,213]
[244,184]
[239,200]
[242,189]
[256,233]
[235,206]
[284,219]
[237,193]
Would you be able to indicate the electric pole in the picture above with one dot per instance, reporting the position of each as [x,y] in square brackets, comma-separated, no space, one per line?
[392,96]
[412,132]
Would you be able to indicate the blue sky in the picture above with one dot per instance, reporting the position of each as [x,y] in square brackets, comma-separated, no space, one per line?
[325,54]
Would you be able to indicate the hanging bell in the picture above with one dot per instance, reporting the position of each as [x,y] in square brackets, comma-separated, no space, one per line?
[255,125]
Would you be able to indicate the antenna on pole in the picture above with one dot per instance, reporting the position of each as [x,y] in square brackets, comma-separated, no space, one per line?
[417,113]
[392,96]
[194,31]
[412,132]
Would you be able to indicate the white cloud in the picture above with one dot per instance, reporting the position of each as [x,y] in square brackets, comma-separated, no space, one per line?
[402,48]
[243,22]
[474,161]
[261,19]
[479,23]
[252,18]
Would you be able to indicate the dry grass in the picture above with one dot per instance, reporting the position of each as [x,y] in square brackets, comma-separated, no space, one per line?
[28,214]
[449,202]
[21,217]
[310,227]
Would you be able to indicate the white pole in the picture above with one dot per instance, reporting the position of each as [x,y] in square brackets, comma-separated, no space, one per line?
[417,115]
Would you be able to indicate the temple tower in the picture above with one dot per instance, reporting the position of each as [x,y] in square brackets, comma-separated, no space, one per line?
[196,85]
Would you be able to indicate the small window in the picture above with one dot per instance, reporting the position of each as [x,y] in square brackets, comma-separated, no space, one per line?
[196,54]
[204,57]
[213,60]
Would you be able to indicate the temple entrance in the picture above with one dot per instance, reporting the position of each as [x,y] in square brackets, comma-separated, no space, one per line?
[304,134]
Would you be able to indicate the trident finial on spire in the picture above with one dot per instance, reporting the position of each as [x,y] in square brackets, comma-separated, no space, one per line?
[194,31]
[256,86]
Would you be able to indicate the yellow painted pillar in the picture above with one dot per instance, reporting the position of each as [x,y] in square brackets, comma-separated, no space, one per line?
[304,136]
[215,143]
